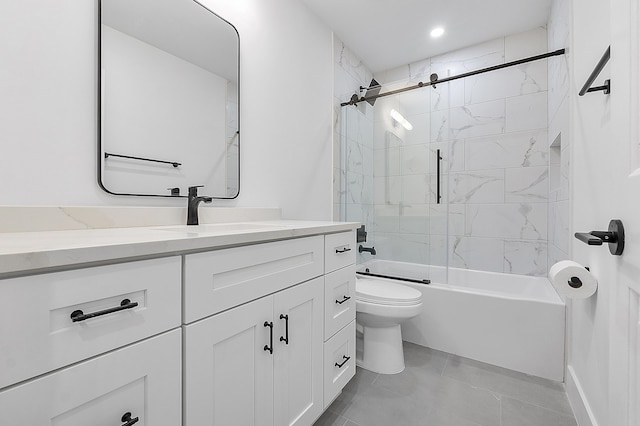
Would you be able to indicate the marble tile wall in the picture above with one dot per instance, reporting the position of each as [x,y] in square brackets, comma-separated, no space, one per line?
[559,235]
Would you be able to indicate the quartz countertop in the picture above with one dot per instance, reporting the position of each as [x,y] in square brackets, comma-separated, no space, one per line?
[24,253]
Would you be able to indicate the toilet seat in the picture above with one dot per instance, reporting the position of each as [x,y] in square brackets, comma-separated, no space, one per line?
[386,293]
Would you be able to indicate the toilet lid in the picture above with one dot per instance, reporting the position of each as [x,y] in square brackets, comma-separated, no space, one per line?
[386,293]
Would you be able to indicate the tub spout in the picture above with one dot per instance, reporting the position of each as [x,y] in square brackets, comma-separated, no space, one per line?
[371,250]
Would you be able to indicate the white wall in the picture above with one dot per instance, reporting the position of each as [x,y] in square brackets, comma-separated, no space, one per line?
[48,106]
[588,359]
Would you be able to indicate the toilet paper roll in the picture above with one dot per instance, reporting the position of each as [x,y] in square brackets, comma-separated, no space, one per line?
[572,280]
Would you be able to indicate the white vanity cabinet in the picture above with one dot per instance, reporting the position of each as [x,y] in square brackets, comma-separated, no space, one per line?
[260,363]
[208,330]
[88,346]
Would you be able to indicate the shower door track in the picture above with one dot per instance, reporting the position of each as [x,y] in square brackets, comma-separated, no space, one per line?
[392,277]
[435,81]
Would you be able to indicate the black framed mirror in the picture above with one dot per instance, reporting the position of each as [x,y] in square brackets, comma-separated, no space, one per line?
[168,99]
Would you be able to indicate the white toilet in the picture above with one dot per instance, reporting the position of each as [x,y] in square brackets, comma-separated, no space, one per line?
[381,306]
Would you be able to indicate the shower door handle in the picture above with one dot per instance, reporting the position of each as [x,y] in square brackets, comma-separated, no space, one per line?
[438,196]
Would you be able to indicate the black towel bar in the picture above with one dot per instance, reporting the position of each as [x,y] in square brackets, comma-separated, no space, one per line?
[131,157]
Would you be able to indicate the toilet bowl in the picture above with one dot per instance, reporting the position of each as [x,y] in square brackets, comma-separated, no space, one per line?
[381,306]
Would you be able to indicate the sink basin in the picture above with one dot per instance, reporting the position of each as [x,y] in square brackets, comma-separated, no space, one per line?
[220,228]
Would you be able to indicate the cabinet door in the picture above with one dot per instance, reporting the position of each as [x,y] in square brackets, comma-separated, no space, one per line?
[228,372]
[298,361]
[142,379]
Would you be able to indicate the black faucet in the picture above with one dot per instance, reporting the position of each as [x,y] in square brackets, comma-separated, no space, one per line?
[192,206]
[371,250]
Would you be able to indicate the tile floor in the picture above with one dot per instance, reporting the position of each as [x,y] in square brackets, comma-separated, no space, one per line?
[440,389]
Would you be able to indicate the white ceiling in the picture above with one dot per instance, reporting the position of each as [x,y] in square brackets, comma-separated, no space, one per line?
[389,33]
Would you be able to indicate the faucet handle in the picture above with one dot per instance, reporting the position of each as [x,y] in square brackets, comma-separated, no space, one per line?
[193,190]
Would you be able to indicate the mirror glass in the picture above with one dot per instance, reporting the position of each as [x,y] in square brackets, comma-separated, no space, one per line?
[169,99]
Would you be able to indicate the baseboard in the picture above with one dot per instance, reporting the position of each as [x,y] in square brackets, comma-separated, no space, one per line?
[579,404]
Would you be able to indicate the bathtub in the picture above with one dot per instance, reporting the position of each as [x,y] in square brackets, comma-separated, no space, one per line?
[512,321]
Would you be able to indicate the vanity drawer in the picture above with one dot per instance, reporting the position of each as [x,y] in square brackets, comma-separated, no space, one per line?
[339,362]
[37,333]
[339,300]
[339,250]
[143,379]
[221,279]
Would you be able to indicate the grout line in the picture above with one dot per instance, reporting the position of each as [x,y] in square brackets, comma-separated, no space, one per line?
[375,379]
[541,407]
[446,364]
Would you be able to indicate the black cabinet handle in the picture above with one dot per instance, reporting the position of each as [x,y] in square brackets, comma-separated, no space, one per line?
[269,347]
[286,328]
[340,302]
[346,358]
[78,315]
[344,250]
[126,417]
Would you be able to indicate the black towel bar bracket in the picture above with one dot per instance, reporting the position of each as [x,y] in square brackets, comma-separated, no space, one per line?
[614,237]
[606,87]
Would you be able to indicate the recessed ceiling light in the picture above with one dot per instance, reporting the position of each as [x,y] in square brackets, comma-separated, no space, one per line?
[437,32]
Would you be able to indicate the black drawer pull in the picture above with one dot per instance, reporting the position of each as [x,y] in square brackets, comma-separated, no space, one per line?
[267,347]
[126,417]
[344,250]
[346,358]
[81,316]
[340,302]
[286,328]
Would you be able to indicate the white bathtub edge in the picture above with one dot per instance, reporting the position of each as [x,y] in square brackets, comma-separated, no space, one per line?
[579,404]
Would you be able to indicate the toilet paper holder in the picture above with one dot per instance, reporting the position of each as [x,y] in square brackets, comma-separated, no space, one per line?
[614,236]
[574,282]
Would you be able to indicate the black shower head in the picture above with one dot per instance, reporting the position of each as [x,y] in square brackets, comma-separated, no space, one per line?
[372,90]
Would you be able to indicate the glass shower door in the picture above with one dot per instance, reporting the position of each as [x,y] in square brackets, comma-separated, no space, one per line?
[390,183]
